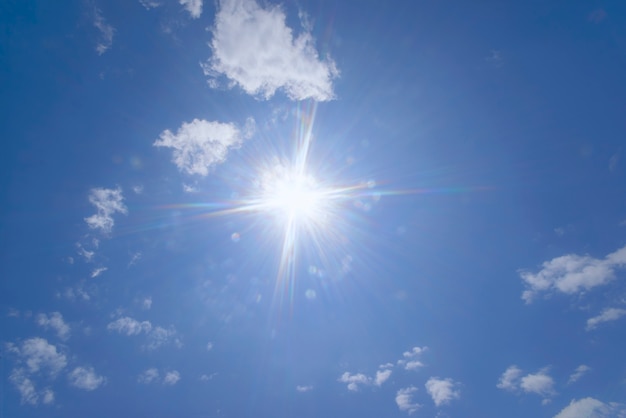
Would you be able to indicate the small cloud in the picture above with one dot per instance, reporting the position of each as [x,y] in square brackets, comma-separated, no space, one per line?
[571,274]
[495,58]
[207,377]
[303,389]
[146,304]
[613,162]
[98,271]
[106,32]
[382,376]
[597,16]
[354,380]
[108,202]
[150,4]
[148,376]
[28,392]
[260,65]
[442,390]
[54,321]
[592,408]
[209,346]
[194,7]
[578,373]
[138,189]
[410,358]
[129,326]
[510,378]
[610,314]
[87,255]
[85,378]
[199,145]
[171,378]
[160,336]
[134,258]
[404,400]
[539,383]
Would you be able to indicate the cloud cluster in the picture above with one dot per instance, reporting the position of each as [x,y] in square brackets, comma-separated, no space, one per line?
[108,202]
[85,378]
[571,274]
[156,335]
[404,400]
[255,49]
[539,383]
[199,145]
[152,375]
[54,321]
[442,390]
[410,359]
[592,408]
[354,381]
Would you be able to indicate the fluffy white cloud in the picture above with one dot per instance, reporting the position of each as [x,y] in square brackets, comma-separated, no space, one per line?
[354,380]
[442,390]
[610,314]
[108,202]
[578,373]
[303,389]
[171,378]
[148,376]
[255,49]
[410,358]
[539,383]
[106,32]
[129,326]
[404,400]
[54,321]
[382,376]
[198,145]
[572,273]
[591,408]
[194,7]
[85,378]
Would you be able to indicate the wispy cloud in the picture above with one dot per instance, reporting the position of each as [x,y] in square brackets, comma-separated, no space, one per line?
[194,7]
[108,202]
[27,390]
[592,408]
[539,383]
[572,273]
[98,271]
[199,145]
[148,376]
[107,32]
[150,4]
[303,389]
[171,378]
[578,373]
[54,321]
[85,378]
[255,49]
[129,326]
[442,390]
[404,400]
[610,314]
[156,335]
[410,359]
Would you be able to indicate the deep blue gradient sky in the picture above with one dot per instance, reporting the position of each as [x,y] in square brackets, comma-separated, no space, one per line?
[243,208]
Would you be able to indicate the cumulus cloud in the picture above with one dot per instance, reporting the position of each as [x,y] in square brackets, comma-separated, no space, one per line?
[28,393]
[129,326]
[404,400]
[354,380]
[382,376]
[410,358]
[148,376]
[199,145]
[578,373]
[539,383]
[106,32]
[194,7]
[108,202]
[54,321]
[610,314]
[442,390]
[572,274]
[591,408]
[255,49]
[171,378]
[85,378]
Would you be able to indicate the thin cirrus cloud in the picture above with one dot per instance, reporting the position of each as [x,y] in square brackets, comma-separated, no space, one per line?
[591,408]
[442,391]
[255,49]
[200,144]
[571,274]
[194,7]
[610,314]
[578,373]
[404,400]
[106,32]
[54,321]
[540,383]
[108,202]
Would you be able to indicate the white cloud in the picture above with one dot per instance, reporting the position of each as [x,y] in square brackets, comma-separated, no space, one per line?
[572,274]
[147,303]
[40,355]
[354,380]
[442,390]
[510,378]
[198,145]
[592,408]
[148,376]
[150,4]
[404,400]
[207,377]
[106,32]
[610,314]
[25,386]
[54,321]
[85,378]
[129,326]
[107,202]
[160,336]
[578,373]
[98,271]
[303,389]
[410,358]
[194,7]
[171,378]
[255,49]
[382,376]
[48,396]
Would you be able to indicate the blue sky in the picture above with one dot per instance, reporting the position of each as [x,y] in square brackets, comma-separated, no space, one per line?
[313,208]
